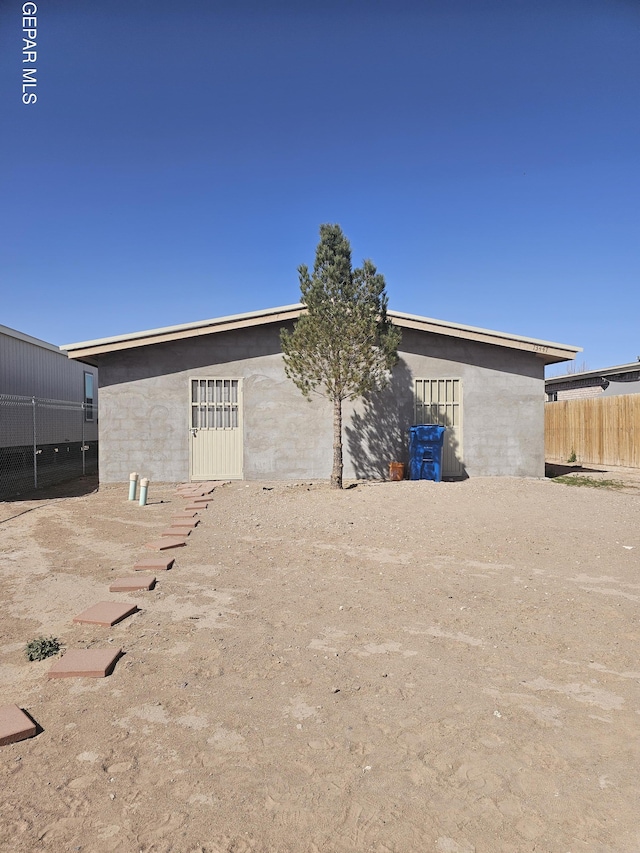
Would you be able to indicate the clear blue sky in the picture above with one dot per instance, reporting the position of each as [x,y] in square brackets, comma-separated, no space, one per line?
[181,157]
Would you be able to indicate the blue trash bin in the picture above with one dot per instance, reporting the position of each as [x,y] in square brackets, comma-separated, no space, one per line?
[425,452]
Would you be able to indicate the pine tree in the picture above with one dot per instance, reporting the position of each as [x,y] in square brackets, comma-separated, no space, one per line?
[343,346]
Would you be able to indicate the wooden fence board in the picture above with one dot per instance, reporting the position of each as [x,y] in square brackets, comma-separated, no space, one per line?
[599,430]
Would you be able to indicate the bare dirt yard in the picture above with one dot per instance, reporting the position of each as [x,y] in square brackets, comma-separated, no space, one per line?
[447,667]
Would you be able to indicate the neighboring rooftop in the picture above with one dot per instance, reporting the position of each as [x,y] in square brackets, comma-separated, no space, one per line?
[548,351]
[606,382]
[618,373]
[14,333]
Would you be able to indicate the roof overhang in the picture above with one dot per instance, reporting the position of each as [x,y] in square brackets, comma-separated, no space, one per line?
[548,351]
[89,351]
[92,349]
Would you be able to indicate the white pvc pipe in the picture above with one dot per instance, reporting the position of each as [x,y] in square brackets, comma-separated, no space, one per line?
[144,485]
[133,485]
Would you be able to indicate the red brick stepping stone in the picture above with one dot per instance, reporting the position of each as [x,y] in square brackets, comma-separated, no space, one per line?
[184,524]
[85,663]
[187,514]
[134,582]
[207,486]
[200,500]
[106,613]
[175,533]
[165,542]
[196,506]
[154,564]
[15,725]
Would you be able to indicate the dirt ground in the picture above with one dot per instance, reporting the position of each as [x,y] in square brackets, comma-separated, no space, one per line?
[447,667]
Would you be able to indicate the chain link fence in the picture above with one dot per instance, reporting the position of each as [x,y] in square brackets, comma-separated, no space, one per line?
[44,442]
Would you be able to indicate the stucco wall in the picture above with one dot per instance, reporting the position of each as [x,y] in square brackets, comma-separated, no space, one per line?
[502,400]
[144,408]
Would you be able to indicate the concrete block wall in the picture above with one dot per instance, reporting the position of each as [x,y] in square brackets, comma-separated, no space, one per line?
[144,408]
[502,401]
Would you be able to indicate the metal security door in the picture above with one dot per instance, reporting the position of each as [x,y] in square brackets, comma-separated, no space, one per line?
[215,433]
[439,401]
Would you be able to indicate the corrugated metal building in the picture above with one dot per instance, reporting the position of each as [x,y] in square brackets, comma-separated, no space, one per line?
[30,367]
[48,414]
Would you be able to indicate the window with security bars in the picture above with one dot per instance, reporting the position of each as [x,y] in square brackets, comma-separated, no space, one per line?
[437,401]
[214,403]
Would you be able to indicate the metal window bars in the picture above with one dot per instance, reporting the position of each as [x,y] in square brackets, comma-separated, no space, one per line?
[214,403]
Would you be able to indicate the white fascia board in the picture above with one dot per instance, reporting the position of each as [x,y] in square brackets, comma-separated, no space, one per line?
[548,350]
[99,346]
[205,326]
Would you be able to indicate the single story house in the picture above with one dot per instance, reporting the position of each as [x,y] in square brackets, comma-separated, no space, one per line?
[211,400]
[606,382]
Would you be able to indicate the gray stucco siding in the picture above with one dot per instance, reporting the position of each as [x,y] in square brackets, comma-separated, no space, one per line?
[144,408]
[502,401]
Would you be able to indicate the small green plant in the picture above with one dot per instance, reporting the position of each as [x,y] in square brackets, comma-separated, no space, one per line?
[572,457]
[576,480]
[41,648]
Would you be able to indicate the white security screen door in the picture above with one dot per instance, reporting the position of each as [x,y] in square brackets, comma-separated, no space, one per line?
[439,401]
[215,429]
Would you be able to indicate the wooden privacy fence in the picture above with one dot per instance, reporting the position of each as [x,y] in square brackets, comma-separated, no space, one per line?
[599,431]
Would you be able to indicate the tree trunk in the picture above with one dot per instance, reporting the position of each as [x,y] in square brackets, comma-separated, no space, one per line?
[336,474]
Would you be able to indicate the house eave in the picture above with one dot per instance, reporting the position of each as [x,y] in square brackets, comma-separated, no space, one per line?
[90,349]
[549,352]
